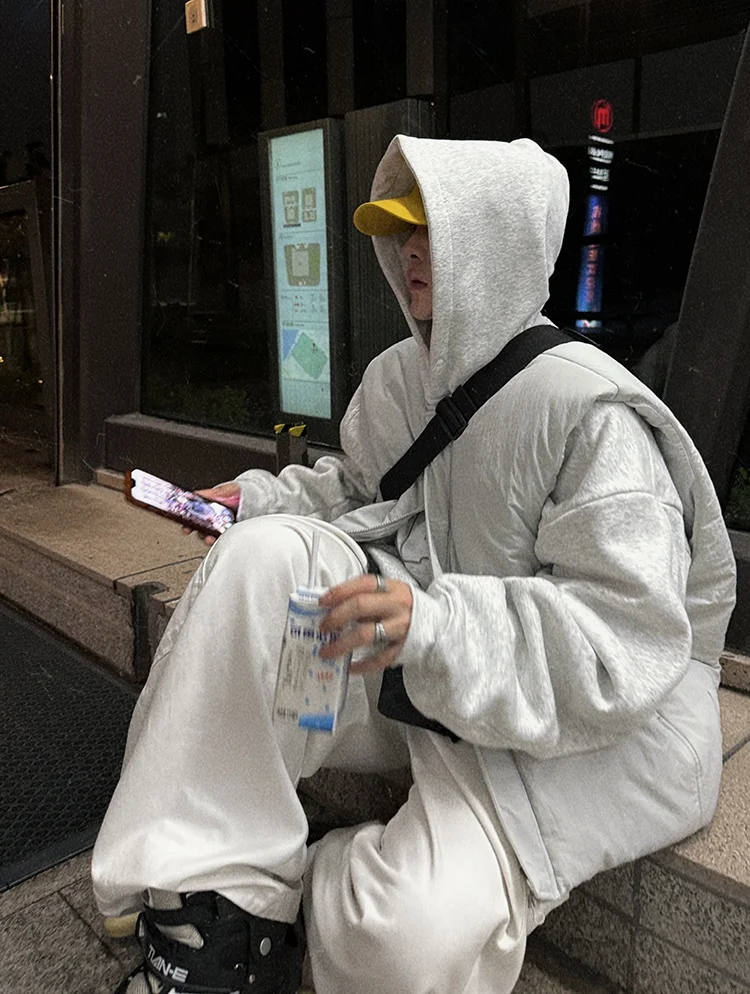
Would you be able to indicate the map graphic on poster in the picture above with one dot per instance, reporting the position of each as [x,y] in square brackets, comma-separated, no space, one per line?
[297,171]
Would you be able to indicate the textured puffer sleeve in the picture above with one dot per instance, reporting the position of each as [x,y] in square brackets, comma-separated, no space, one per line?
[582,652]
[326,490]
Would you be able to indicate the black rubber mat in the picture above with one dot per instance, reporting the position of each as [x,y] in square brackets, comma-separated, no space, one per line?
[63,725]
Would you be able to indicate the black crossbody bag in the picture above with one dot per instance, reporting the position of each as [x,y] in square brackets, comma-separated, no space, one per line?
[452,415]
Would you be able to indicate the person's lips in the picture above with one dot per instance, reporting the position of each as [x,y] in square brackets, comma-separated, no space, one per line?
[416,284]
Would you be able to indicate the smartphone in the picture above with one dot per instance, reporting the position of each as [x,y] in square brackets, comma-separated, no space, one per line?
[184,506]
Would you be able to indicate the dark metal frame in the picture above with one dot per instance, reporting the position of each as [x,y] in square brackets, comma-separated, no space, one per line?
[323,430]
[66,136]
[102,59]
[20,198]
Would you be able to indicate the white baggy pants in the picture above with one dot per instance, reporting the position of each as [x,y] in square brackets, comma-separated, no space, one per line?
[434,902]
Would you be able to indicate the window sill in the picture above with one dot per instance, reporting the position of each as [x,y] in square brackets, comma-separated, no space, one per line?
[186,454]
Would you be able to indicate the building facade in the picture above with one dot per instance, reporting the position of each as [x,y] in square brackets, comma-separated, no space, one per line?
[199,292]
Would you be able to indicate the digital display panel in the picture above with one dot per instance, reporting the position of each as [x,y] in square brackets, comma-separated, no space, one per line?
[589,296]
[596,220]
[300,252]
[597,215]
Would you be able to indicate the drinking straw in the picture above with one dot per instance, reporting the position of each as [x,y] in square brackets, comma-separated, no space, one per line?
[313,560]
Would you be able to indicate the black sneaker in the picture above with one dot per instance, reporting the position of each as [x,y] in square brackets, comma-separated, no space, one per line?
[207,945]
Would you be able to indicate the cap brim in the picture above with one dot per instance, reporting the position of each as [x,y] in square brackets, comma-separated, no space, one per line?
[392,216]
[374,219]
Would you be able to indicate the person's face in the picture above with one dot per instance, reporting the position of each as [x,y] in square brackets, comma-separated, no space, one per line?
[416,255]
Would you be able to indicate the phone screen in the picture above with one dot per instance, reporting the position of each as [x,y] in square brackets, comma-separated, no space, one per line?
[189,507]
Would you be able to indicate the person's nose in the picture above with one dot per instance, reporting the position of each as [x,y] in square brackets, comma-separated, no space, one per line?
[411,248]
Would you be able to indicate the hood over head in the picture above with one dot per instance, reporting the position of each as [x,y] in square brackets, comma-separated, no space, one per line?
[496,215]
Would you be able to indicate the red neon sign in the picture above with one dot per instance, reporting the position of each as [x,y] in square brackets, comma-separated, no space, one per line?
[602,116]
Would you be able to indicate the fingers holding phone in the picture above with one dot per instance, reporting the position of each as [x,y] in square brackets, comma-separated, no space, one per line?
[227,494]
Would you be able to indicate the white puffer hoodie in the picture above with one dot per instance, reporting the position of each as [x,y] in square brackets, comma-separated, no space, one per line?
[578,578]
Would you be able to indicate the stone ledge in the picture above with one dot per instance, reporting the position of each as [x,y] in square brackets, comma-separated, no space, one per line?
[71,602]
[718,856]
[735,671]
[95,531]
[704,923]
[72,557]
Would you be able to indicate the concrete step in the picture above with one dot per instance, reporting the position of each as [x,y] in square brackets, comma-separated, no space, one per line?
[545,971]
[76,557]
[735,671]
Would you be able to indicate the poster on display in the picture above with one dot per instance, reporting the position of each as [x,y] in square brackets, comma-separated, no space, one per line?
[297,186]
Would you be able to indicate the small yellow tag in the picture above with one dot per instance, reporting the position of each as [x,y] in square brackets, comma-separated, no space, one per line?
[295,430]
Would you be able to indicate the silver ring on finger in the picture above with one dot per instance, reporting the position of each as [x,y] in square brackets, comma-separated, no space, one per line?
[379,583]
[380,640]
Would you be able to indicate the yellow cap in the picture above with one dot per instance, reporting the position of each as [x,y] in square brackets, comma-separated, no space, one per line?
[389,217]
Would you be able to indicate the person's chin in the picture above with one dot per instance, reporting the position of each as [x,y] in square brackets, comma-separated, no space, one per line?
[420,310]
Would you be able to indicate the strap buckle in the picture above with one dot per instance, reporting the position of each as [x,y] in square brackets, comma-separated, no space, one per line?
[455,412]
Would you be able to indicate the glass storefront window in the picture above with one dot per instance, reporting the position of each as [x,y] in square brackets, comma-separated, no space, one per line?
[618,92]
[654,205]
[25,178]
[20,370]
[634,76]
[206,333]
[379,28]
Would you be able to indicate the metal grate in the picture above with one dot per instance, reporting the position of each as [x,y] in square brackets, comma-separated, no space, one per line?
[63,726]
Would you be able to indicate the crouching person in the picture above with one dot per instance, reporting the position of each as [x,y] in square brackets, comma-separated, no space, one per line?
[545,579]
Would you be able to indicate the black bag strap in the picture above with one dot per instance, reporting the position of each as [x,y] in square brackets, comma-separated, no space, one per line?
[452,414]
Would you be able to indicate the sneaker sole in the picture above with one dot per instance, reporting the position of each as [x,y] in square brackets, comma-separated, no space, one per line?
[122,927]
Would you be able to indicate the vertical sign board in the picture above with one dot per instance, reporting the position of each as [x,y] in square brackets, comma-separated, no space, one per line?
[304,243]
[591,273]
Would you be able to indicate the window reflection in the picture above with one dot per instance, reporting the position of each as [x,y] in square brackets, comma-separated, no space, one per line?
[206,337]
[655,202]
[20,371]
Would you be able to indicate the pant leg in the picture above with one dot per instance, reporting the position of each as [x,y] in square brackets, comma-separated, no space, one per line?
[206,798]
[434,902]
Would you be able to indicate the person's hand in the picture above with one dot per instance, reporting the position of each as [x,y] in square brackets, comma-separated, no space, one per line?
[356,606]
[227,494]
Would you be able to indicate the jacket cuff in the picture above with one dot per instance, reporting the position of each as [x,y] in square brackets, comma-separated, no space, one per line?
[254,494]
[429,617]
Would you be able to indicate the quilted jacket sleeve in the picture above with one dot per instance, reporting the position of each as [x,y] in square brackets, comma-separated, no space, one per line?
[326,490]
[582,652]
